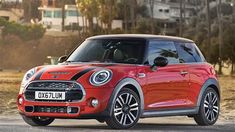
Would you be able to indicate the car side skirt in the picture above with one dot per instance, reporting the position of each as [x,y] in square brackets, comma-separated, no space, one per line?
[170,112]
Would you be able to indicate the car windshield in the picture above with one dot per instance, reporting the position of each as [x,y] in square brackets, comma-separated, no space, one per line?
[110,51]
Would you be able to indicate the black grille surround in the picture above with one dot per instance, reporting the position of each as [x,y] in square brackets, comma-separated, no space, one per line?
[74,92]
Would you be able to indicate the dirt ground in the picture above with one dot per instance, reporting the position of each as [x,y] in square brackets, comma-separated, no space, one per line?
[10,83]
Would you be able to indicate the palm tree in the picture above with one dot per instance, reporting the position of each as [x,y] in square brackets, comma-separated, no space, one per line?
[107,12]
[62,3]
[89,9]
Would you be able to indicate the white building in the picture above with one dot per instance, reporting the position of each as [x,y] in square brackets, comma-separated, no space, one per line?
[52,18]
[12,14]
[170,9]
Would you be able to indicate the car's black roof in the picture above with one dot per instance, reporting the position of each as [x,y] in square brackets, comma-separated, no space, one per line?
[141,36]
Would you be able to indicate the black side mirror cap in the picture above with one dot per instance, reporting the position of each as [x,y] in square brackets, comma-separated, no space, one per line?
[62,58]
[160,61]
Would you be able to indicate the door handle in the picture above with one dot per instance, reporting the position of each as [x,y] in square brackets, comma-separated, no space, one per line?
[141,75]
[183,72]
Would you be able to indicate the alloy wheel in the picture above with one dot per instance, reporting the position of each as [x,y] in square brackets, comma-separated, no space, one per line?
[126,109]
[211,106]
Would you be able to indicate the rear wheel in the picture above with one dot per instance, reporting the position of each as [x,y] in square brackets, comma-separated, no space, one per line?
[126,110]
[38,121]
[209,108]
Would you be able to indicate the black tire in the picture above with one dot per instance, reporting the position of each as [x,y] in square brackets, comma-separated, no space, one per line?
[38,121]
[129,111]
[209,108]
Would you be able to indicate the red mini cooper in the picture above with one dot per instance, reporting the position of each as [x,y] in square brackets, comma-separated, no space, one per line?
[118,79]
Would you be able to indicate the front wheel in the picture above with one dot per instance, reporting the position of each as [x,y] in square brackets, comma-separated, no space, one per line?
[38,121]
[209,108]
[125,110]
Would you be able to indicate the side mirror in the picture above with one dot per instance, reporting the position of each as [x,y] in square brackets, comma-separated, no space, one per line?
[62,58]
[159,61]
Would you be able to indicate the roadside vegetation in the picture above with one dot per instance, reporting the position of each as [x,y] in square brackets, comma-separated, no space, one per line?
[24,32]
[211,28]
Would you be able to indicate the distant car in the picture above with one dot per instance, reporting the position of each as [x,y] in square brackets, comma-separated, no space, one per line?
[118,79]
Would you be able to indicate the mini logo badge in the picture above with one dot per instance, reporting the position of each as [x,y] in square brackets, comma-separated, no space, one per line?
[55,76]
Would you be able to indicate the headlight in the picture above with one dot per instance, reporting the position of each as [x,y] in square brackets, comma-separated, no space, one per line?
[26,78]
[101,77]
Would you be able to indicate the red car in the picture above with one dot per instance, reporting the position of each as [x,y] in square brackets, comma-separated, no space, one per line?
[118,79]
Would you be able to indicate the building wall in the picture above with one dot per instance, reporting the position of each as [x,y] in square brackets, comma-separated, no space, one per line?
[48,3]
[12,15]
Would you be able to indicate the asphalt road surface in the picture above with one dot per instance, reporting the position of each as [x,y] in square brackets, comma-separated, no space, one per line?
[16,124]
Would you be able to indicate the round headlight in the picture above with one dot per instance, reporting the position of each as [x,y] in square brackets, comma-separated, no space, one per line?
[101,77]
[28,75]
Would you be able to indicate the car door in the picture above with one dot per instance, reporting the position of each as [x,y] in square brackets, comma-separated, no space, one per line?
[198,71]
[168,86]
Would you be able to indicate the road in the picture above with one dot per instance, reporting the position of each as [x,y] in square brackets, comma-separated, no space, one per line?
[16,124]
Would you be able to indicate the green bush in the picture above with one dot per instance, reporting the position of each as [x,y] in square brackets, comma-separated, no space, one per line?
[25,32]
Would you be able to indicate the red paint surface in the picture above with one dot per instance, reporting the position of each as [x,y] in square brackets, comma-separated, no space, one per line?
[164,88]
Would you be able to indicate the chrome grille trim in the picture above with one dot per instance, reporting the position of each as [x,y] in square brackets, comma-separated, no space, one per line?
[56,81]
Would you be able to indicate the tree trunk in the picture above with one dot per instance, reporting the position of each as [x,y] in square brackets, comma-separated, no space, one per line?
[197,17]
[63,17]
[151,4]
[83,24]
[78,24]
[90,21]
[125,16]
[110,16]
[181,19]
[209,28]
[233,16]
[220,36]
[232,69]
[132,14]
[86,25]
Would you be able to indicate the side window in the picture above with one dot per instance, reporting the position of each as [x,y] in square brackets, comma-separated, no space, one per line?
[188,53]
[199,53]
[162,48]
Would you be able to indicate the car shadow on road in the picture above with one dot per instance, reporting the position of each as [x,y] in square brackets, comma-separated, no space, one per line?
[144,126]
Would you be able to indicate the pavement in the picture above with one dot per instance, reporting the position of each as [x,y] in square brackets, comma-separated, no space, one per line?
[16,124]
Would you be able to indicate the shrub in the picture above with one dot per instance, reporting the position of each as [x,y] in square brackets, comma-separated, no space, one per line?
[25,32]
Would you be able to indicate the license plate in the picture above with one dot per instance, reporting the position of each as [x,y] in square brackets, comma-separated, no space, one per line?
[47,95]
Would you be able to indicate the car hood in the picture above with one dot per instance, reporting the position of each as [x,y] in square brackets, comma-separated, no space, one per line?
[73,72]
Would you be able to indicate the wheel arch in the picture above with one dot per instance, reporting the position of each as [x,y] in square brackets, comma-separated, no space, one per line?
[126,83]
[211,82]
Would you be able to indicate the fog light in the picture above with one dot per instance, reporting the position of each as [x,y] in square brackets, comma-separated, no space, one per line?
[94,102]
[20,101]
[72,110]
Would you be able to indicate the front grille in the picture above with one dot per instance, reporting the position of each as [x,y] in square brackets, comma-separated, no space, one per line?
[50,109]
[73,91]
[55,86]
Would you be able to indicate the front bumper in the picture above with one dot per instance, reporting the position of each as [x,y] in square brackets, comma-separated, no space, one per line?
[84,107]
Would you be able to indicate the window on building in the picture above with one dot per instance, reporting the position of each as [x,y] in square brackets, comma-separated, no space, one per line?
[162,49]
[166,10]
[160,10]
[47,14]
[72,13]
[57,14]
